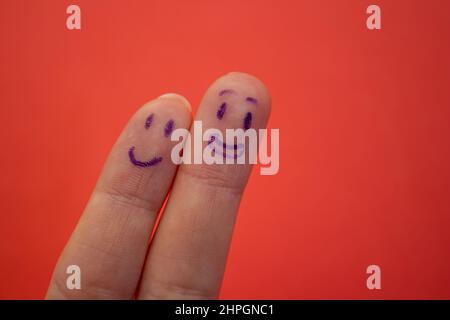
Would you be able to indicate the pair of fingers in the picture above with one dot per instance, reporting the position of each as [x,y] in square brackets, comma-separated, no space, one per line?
[186,256]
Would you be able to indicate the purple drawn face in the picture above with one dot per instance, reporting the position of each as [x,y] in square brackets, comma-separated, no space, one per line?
[155,160]
[221,147]
[247,121]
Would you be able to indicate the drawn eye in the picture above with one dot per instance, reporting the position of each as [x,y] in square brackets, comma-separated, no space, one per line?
[168,128]
[248,121]
[149,121]
[221,111]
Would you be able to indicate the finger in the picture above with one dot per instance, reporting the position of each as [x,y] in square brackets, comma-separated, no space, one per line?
[110,242]
[188,253]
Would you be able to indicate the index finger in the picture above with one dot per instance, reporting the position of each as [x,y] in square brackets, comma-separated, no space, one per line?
[110,242]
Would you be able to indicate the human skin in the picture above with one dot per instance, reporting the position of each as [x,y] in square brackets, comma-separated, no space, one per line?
[186,257]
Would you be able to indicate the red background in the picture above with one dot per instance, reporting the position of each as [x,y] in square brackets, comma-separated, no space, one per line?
[364,132]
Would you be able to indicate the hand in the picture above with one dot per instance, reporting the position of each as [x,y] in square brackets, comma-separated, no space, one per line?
[120,249]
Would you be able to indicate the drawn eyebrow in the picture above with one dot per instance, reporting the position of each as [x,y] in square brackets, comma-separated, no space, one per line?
[251,100]
[226,91]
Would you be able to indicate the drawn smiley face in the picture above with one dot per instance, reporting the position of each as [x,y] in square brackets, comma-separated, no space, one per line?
[221,147]
[247,121]
[169,127]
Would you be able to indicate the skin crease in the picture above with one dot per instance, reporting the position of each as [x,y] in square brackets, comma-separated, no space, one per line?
[187,254]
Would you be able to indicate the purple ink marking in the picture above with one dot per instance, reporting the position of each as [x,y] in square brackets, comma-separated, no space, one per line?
[149,121]
[236,153]
[145,164]
[169,128]
[221,111]
[224,144]
[248,121]
[251,100]
[223,92]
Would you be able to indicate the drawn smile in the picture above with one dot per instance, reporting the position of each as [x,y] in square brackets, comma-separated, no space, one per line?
[221,148]
[149,163]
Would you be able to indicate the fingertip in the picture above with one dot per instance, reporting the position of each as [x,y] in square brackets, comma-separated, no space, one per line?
[246,85]
[231,98]
[248,82]
[168,106]
[179,97]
